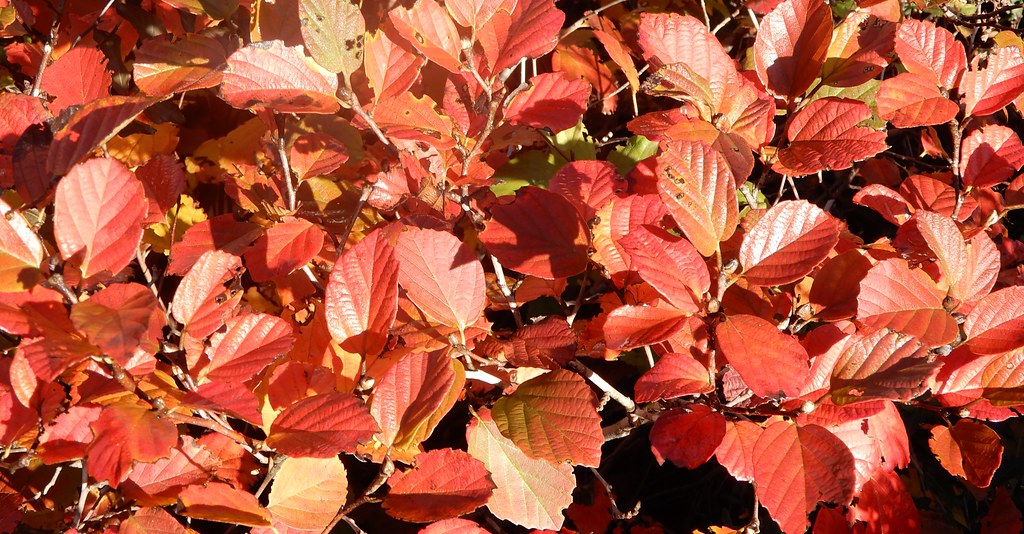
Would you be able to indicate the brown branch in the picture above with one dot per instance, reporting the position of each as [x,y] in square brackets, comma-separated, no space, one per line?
[386,470]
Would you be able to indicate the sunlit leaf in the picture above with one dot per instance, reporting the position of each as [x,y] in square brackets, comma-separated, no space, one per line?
[283,249]
[164,67]
[699,189]
[860,50]
[98,216]
[553,417]
[968,449]
[791,46]
[632,326]
[322,426]
[307,492]
[76,78]
[671,264]
[786,243]
[908,301]
[89,127]
[441,276]
[798,466]
[990,155]
[675,375]
[931,52]
[126,433]
[553,101]
[217,501]
[270,75]
[986,91]
[431,31]
[771,362]
[362,295]
[528,492]
[249,344]
[996,324]
[21,251]
[909,100]
[333,33]
[824,136]
[881,365]
[444,483]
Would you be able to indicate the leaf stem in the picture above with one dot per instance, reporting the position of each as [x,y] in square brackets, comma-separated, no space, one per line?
[351,100]
[386,470]
[367,189]
[499,273]
[286,168]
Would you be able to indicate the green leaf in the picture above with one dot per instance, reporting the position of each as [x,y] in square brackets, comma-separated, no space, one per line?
[333,32]
[636,149]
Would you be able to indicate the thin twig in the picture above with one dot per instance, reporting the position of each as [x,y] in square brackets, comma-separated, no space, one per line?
[499,273]
[367,189]
[579,296]
[47,50]
[603,385]
[286,168]
[272,470]
[583,20]
[82,493]
[353,101]
[386,470]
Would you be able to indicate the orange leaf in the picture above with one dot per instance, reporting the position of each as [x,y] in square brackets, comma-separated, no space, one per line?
[787,242]
[444,483]
[21,251]
[990,155]
[127,433]
[362,295]
[76,78]
[553,101]
[990,89]
[217,501]
[881,365]
[164,67]
[791,46]
[270,75]
[92,125]
[930,51]
[908,301]
[249,344]
[771,362]
[687,437]
[283,249]
[996,324]
[429,29]
[322,426]
[969,450]
[675,375]
[307,493]
[441,276]
[860,50]
[909,100]
[120,320]
[824,136]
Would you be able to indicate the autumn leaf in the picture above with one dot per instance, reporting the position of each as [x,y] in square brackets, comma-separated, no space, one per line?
[77,77]
[528,492]
[164,67]
[307,492]
[968,449]
[444,483]
[362,295]
[881,365]
[125,433]
[791,46]
[687,437]
[824,136]
[441,276]
[552,417]
[272,75]
[987,90]
[333,33]
[283,248]
[217,501]
[909,100]
[90,126]
[908,301]
[21,251]
[786,243]
[751,343]
[930,51]
[322,426]
[552,101]
[990,155]
[674,375]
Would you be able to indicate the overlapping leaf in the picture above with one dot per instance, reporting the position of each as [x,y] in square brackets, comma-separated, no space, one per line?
[553,417]
[333,33]
[165,67]
[410,399]
[996,324]
[699,189]
[362,295]
[126,433]
[589,184]
[860,49]
[675,375]
[429,29]
[632,326]
[968,449]
[77,77]
[528,492]
[907,301]
[791,46]
[553,101]
[198,301]
[671,264]
[909,100]
[771,362]
[272,75]
[250,343]
[283,248]
[687,437]
[21,251]
[881,365]
[119,320]
[217,501]
[786,243]
[798,466]
[444,483]
[930,51]
[540,233]
[307,492]
[986,91]
[441,276]
[824,136]
[322,426]
[98,216]
[990,155]
[390,68]
[91,126]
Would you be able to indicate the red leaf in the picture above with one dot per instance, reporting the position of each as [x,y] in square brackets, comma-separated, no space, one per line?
[67,437]
[362,295]
[528,492]
[445,483]
[886,202]
[832,291]
[798,466]
[454,526]
[92,125]
[670,264]
[824,136]
[532,31]
[217,501]
[251,342]
[589,184]
[120,320]
[996,324]
[231,398]
[283,249]
[909,100]
[322,426]
[687,45]
[411,398]
[540,234]
[553,417]
[771,362]
[553,101]
[687,437]
[390,68]
[196,302]
[270,75]
[881,365]
[442,276]
[699,189]
[860,50]
[932,52]
[786,243]
[791,46]
[946,243]
[629,326]
[158,483]
[412,118]
[736,451]
[908,301]
[969,450]
[990,155]
[221,233]
[307,493]
[21,251]
[615,221]
[163,178]
[98,216]
[885,505]
[429,29]
[1003,514]
[316,154]
[20,112]
[126,433]
[151,521]
[76,78]
[164,67]
[989,90]
[675,375]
